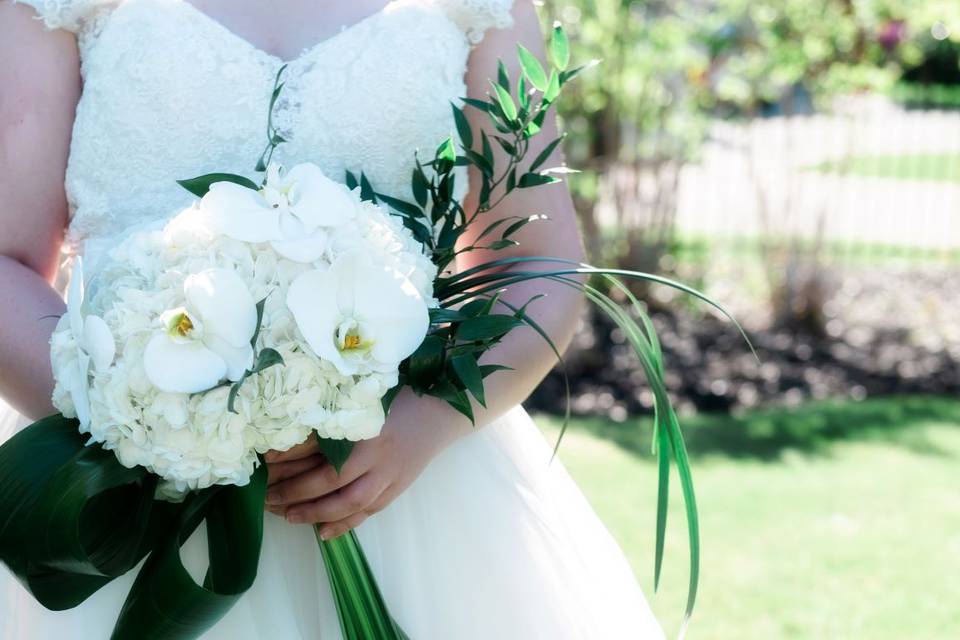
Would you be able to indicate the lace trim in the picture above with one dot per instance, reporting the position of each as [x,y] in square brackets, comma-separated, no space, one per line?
[71,15]
[475,17]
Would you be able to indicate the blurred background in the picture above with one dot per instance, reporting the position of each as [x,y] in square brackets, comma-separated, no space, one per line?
[799,161]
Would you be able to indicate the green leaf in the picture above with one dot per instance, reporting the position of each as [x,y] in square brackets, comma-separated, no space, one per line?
[201,184]
[482,105]
[367,192]
[335,451]
[487,369]
[267,358]
[426,363]
[506,103]
[256,332]
[351,181]
[503,243]
[532,68]
[519,224]
[71,517]
[570,74]
[529,180]
[419,186]
[486,148]
[559,47]
[523,97]
[545,154]
[404,208]
[480,162]
[165,601]
[551,94]
[468,371]
[506,145]
[463,126]
[488,327]
[503,77]
[443,316]
[512,179]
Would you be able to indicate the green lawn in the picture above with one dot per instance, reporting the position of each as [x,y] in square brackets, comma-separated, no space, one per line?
[942,167]
[833,521]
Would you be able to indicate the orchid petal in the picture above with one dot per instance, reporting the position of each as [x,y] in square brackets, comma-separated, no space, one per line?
[393,312]
[98,342]
[311,300]
[188,367]
[75,299]
[224,304]
[316,199]
[238,359]
[79,388]
[302,249]
[238,212]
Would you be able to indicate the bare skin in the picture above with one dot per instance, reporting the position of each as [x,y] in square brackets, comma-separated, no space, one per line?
[36,113]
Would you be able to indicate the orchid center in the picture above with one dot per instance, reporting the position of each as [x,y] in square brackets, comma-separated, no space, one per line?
[349,338]
[179,324]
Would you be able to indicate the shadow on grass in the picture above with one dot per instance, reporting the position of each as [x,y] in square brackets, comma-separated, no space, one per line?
[811,428]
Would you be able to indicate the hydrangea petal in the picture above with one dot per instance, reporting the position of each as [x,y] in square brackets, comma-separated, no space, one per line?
[188,367]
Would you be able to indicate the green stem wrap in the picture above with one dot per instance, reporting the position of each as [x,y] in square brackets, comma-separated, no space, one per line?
[361,608]
[72,518]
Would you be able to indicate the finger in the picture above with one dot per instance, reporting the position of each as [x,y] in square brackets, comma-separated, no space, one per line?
[312,484]
[336,529]
[278,471]
[307,448]
[351,499]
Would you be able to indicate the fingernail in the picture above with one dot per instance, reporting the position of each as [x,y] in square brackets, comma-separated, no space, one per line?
[325,534]
[294,518]
[273,497]
[270,457]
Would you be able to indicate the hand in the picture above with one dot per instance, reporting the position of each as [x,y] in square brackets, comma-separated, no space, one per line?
[305,488]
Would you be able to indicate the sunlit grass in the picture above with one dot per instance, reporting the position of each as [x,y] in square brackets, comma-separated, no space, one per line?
[943,167]
[831,521]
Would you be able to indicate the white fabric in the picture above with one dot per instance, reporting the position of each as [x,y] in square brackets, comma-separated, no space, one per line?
[491,541]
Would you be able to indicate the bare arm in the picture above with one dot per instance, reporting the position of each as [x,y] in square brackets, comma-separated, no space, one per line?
[418,428]
[40,81]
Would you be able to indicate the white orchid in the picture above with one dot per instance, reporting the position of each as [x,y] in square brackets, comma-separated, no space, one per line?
[293,211]
[206,340]
[94,345]
[359,315]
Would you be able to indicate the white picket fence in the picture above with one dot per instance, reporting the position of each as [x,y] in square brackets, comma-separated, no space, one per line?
[796,177]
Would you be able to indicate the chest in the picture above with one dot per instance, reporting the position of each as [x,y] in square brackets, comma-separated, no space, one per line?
[171,92]
[285,28]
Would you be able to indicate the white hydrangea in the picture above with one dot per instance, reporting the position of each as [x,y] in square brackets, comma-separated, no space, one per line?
[145,357]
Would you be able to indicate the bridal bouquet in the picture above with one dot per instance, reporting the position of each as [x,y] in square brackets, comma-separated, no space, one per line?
[264,314]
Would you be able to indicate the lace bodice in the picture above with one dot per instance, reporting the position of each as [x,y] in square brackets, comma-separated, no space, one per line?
[169,93]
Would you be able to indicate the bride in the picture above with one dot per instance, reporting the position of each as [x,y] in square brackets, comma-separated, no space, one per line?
[471,532]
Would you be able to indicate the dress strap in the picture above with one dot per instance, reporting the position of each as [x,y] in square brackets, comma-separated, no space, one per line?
[476,16]
[71,15]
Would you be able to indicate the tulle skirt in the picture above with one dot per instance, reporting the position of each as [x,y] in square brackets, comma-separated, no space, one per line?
[492,542]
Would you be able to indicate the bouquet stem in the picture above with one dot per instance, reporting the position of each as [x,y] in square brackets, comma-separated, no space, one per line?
[361,608]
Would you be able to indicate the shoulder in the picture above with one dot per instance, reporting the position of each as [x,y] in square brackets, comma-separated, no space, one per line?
[70,15]
[475,17]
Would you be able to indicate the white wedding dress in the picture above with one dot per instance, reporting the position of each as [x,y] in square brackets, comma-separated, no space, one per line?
[492,541]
